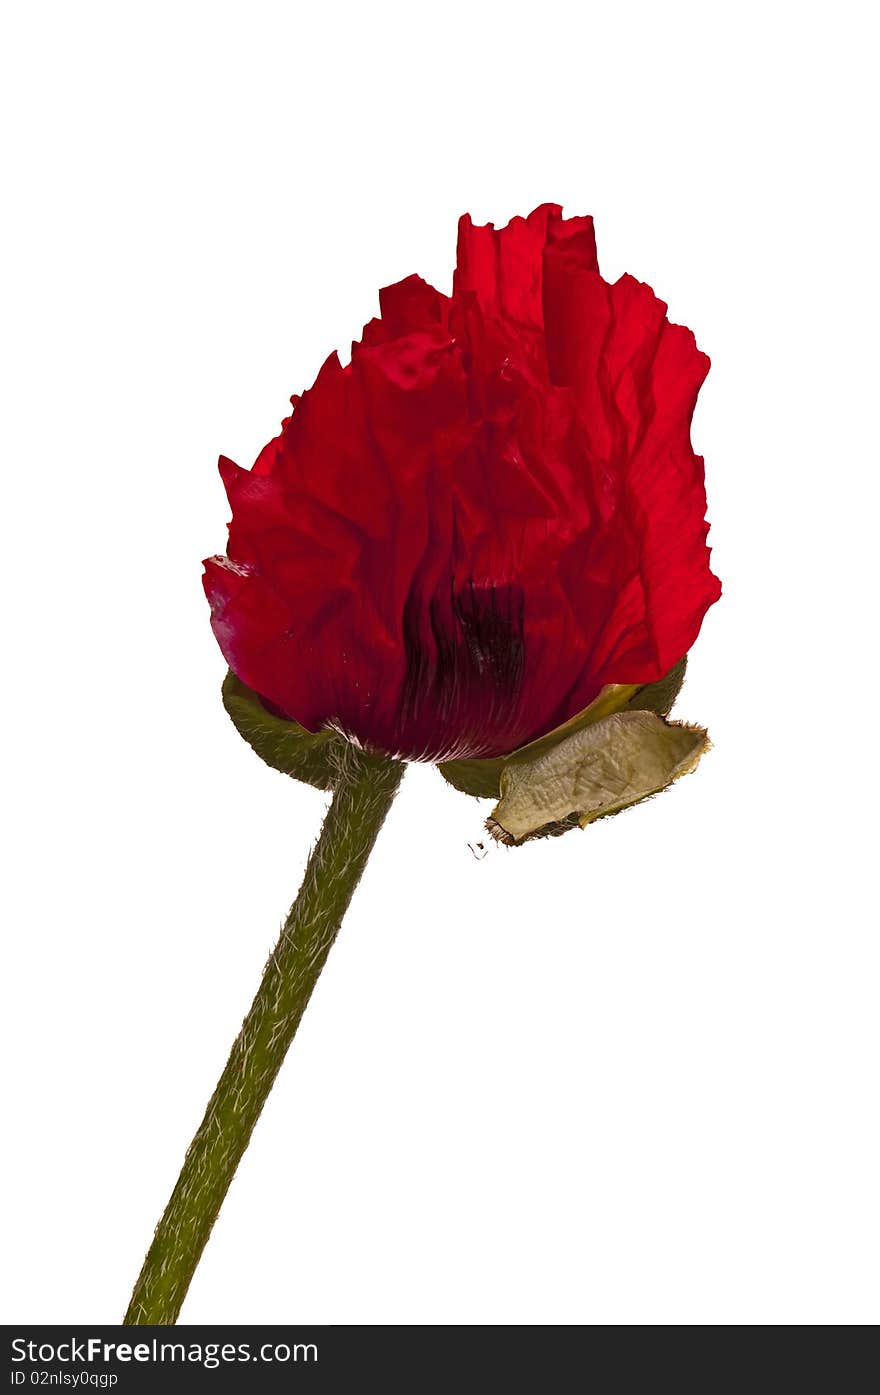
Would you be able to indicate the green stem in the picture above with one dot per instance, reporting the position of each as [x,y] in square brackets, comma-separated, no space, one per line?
[364,792]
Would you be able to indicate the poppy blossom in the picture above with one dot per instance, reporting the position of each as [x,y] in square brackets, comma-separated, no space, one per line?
[491,512]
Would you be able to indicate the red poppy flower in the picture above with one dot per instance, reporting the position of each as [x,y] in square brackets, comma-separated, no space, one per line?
[491,512]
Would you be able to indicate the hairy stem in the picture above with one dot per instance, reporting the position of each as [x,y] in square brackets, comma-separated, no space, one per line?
[364,792]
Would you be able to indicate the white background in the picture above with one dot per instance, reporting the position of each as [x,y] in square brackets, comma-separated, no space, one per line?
[628,1076]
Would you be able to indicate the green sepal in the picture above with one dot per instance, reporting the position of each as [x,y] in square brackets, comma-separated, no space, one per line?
[660,697]
[482,778]
[285,745]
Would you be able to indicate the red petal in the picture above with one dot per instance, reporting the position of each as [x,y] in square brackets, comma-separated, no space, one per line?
[493,510]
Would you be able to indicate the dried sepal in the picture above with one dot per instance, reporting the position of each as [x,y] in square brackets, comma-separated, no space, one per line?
[482,778]
[599,770]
